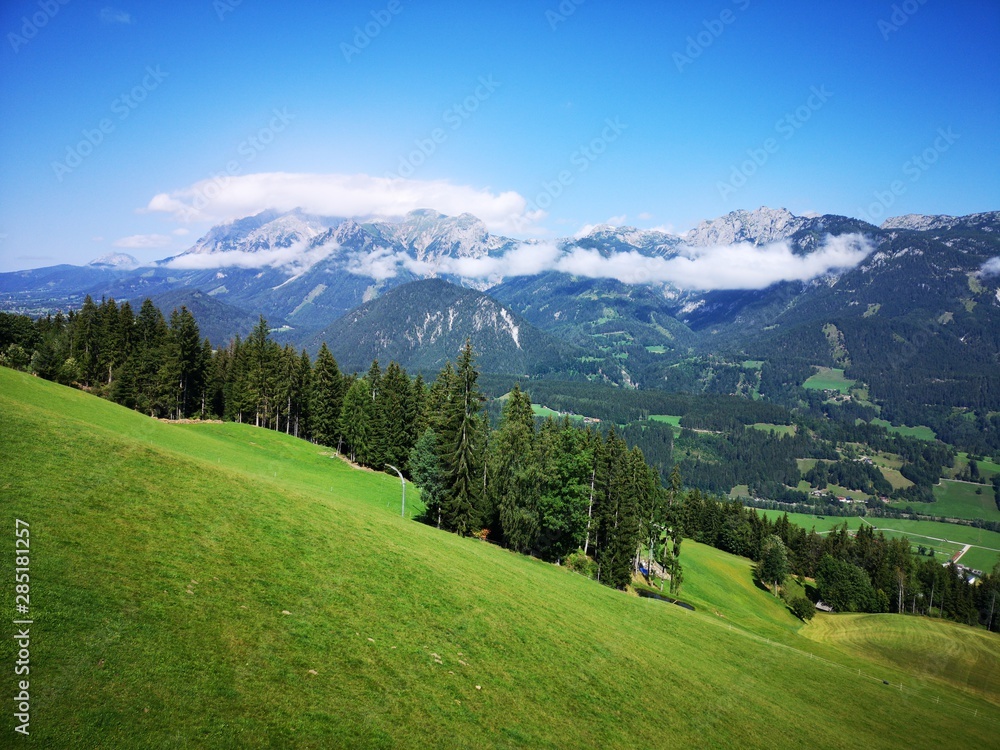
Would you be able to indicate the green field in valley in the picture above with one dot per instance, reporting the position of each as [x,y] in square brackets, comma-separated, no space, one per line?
[962,658]
[221,586]
[945,538]
[673,421]
[829,379]
[959,500]
[778,429]
[987,468]
[920,432]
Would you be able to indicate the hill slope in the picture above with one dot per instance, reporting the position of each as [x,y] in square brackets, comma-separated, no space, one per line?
[165,556]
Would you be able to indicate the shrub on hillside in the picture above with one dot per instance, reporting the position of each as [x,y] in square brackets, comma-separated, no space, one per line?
[580,563]
[802,608]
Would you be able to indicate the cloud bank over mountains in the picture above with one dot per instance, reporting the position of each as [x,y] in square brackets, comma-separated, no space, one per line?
[225,198]
[737,266]
[295,258]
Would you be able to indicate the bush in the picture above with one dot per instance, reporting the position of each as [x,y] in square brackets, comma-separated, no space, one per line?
[580,563]
[802,608]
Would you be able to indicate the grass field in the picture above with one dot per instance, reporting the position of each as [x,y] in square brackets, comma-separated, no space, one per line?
[778,429]
[945,538]
[919,432]
[962,658]
[893,476]
[220,586]
[959,500]
[987,468]
[671,420]
[544,411]
[829,379]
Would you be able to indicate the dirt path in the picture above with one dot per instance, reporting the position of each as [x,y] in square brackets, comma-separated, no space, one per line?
[958,555]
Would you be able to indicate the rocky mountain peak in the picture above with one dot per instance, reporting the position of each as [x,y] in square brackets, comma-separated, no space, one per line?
[123,261]
[759,227]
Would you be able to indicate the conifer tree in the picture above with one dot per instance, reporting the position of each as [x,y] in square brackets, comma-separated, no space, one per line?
[427,471]
[376,418]
[513,488]
[300,425]
[461,438]
[327,400]
[397,416]
[355,421]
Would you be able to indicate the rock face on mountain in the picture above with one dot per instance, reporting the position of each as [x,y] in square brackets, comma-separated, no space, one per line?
[984,222]
[756,227]
[423,324]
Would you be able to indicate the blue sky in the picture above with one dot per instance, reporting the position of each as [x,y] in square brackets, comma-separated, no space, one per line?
[541,117]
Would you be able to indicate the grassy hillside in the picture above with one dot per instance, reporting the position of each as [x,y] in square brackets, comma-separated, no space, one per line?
[962,657]
[223,586]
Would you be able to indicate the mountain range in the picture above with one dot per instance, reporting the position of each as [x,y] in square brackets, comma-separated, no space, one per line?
[615,303]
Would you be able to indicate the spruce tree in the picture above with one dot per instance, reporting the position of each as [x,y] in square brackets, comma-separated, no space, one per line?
[513,488]
[461,438]
[327,399]
[397,415]
[355,421]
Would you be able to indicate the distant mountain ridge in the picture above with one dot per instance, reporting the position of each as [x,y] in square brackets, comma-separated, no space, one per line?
[425,323]
[305,273]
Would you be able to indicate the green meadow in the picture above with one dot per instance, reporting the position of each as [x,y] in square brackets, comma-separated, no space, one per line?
[670,419]
[920,432]
[829,379]
[987,468]
[222,586]
[777,429]
[945,538]
[959,500]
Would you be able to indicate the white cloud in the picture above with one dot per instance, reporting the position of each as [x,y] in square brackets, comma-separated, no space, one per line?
[113,15]
[141,241]
[295,258]
[527,259]
[227,198]
[645,216]
[380,264]
[991,267]
[181,231]
[739,266]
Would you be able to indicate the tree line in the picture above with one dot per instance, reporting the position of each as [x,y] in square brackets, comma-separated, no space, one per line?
[864,571]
